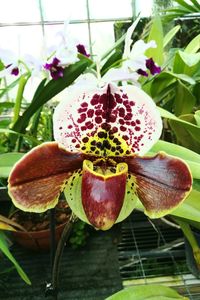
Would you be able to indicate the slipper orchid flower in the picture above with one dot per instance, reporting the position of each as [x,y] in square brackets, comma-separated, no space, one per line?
[101,134]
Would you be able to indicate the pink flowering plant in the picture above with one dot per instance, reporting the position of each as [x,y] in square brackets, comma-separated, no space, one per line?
[102,131]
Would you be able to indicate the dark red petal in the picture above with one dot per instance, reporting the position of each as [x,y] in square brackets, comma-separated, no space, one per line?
[163,182]
[103,195]
[38,178]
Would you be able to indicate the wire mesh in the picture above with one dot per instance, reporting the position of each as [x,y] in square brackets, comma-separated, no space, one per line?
[154,253]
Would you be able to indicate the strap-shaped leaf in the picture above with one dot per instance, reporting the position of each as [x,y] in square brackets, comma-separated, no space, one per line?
[5,249]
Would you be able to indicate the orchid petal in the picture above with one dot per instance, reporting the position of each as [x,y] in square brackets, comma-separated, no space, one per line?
[120,74]
[162,181]
[74,190]
[8,57]
[84,81]
[38,178]
[140,47]
[81,49]
[128,40]
[103,194]
[108,121]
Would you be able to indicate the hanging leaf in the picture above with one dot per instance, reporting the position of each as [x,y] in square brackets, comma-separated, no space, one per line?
[5,249]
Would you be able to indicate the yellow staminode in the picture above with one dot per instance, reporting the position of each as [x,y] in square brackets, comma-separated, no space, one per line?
[106,171]
[105,144]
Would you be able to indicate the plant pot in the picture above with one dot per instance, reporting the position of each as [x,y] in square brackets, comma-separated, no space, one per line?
[37,240]
[37,236]
[191,263]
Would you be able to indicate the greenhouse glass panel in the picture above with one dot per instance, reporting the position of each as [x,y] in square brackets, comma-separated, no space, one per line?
[110,9]
[65,9]
[19,11]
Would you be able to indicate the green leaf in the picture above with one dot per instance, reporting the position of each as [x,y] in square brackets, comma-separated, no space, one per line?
[165,81]
[194,129]
[161,82]
[190,59]
[5,249]
[194,45]
[185,136]
[196,4]
[51,89]
[187,133]
[111,62]
[190,8]
[156,34]
[169,36]
[9,87]
[186,63]
[190,208]
[197,117]
[26,136]
[6,105]
[184,100]
[7,161]
[144,292]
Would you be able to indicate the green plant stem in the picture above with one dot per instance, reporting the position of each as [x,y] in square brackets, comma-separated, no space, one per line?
[35,122]
[191,239]
[59,251]
[18,100]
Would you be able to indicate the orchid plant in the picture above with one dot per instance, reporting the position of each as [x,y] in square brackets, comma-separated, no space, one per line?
[102,131]
[54,60]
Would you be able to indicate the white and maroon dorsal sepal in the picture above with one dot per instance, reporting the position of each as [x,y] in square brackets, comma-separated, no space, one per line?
[107,121]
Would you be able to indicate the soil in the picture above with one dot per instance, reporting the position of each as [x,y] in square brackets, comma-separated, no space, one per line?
[40,221]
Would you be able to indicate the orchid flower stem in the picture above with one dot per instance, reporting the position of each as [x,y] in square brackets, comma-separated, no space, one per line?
[18,101]
[53,240]
[58,254]
[98,70]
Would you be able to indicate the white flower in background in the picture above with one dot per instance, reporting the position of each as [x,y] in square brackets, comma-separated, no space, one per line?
[135,62]
[64,52]
[58,56]
[10,62]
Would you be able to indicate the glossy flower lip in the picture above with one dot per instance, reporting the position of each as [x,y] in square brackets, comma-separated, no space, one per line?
[98,194]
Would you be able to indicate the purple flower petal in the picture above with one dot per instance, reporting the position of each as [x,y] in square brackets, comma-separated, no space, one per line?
[15,71]
[56,71]
[81,50]
[55,61]
[150,64]
[142,72]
